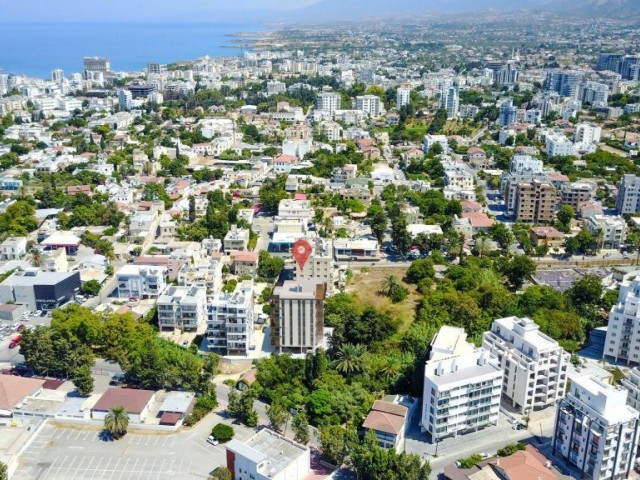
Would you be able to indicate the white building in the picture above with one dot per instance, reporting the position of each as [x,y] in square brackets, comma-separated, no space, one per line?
[275,87]
[622,342]
[628,199]
[236,239]
[450,101]
[13,248]
[320,265]
[609,231]
[403,96]
[183,308]
[587,133]
[139,281]
[230,321]
[462,385]
[632,385]
[125,99]
[371,105]
[328,101]
[595,430]
[289,208]
[430,140]
[557,145]
[297,315]
[535,366]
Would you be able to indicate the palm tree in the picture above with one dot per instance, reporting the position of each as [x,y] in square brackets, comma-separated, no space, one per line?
[116,422]
[350,358]
[389,285]
[482,246]
[36,257]
[392,366]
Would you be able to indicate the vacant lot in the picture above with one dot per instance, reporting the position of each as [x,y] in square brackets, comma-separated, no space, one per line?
[367,287]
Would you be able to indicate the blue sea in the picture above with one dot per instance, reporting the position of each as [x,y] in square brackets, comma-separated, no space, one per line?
[35,49]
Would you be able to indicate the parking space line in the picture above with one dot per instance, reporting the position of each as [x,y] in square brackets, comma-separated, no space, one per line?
[125,468]
[142,469]
[104,471]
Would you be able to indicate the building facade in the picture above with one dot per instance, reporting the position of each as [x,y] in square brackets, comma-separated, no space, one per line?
[183,308]
[230,321]
[535,202]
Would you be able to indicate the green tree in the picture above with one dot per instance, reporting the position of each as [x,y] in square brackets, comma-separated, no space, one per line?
[192,209]
[586,292]
[116,422]
[333,444]
[223,432]
[269,266]
[565,214]
[91,287]
[278,415]
[419,270]
[501,235]
[83,381]
[519,269]
[221,473]
[377,220]
[4,471]
[300,427]
[350,358]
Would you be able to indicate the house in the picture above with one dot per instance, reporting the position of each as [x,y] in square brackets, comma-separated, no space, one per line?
[137,403]
[478,157]
[389,421]
[346,249]
[66,240]
[75,189]
[480,222]
[14,390]
[547,236]
[176,407]
[244,263]
[268,456]
[13,248]
[140,281]
[284,163]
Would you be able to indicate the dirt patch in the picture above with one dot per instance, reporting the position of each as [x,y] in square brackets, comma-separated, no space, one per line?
[367,288]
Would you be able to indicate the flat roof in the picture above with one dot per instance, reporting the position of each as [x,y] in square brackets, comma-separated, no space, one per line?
[177,402]
[30,277]
[61,238]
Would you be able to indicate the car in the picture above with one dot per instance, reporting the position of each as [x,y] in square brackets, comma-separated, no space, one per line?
[21,327]
[212,440]
[43,314]
[117,379]
[625,255]
[185,343]
[38,313]
[15,341]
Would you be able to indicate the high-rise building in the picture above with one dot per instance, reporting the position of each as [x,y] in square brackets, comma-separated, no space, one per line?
[595,430]
[297,315]
[462,386]
[564,82]
[125,99]
[622,342]
[628,200]
[536,202]
[450,102]
[535,365]
[57,75]
[97,64]
[610,61]
[632,385]
[503,73]
[184,308]
[575,194]
[508,113]
[587,133]
[154,68]
[403,96]
[592,92]
[328,101]
[230,321]
[370,105]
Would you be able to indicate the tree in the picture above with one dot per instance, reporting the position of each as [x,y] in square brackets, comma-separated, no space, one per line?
[269,266]
[300,427]
[278,415]
[251,419]
[234,407]
[223,432]
[116,422]
[192,209]
[519,269]
[91,287]
[394,290]
[377,219]
[565,214]
[350,358]
[586,291]
[502,235]
[83,380]
[4,471]
[333,444]
[419,270]
[399,235]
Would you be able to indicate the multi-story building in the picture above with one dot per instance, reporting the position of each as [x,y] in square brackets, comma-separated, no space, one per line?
[622,342]
[57,75]
[40,290]
[297,315]
[275,87]
[609,231]
[328,101]
[508,113]
[236,239]
[595,430]
[291,209]
[462,386]
[403,96]
[125,99]
[139,281]
[564,82]
[628,199]
[370,105]
[13,248]
[430,140]
[97,64]
[557,145]
[592,92]
[184,308]
[346,249]
[609,61]
[534,364]
[205,274]
[320,265]
[535,202]
[503,73]
[576,193]
[450,101]
[632,385]
[587,133]
[230,321]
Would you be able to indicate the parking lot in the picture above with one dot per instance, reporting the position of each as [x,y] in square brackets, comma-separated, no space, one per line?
[82,453]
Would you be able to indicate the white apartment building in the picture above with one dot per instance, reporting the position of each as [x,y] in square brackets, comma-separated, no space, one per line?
[403,96]
[595,430]
[205,274]
[297,315]
[236,239]
[430,140]
[609,231]
[183,308]
[628,200]
[125,99]
[141,281]
[525,164]
[557,145]
[370,105]
[328,102]
[632,385]
[622,342]
[587,133]
[288,208]
[320,265]
[450,101]
[462,385]
[535,366]
[230,321]
[275,87]
[13,248]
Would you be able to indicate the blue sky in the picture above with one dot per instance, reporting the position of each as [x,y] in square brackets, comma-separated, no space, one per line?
[139,10]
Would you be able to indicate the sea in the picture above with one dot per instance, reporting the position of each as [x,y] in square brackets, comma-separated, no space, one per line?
[34,49]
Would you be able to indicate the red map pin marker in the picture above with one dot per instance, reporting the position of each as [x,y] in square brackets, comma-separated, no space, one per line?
[301,252]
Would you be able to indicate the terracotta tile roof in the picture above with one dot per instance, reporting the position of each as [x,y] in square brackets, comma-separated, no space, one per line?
[526,464]
[479,220]
[386,417]
[14,390]
[244,256]
[134,401]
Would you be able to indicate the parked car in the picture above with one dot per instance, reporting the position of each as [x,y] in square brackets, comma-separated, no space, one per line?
[21,327]
[15,341]
[38,313]
[212,440]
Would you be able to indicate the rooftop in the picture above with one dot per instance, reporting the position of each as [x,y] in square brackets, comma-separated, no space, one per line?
[134,401]
[386,417]
[14,390]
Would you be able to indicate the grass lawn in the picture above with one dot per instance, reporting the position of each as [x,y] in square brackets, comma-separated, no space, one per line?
[366,287]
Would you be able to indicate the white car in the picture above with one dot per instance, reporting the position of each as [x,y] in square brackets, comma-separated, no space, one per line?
[37,313]
[212,440]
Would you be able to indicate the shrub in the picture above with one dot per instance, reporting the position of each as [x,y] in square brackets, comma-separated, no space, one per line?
[204,405]
[223,432]
[511,449]
[471,461]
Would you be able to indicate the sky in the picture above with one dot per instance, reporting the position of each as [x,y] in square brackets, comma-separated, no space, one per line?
[70,11]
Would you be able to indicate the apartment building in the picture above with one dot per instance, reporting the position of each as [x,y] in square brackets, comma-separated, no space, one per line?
[403,96]
[632,385]
[587,133]
[609,231]
[328,101]
[236,239]
[13,248]
[141,281]
[205,274]
[230,321]
[371,105]
[430,140]
[450,101]
[320,265]
[575,194]
[595,430]
[622,342]
[535,202]
[628,199]
[297,315]
[183,308]
[462,386]
[535,366]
